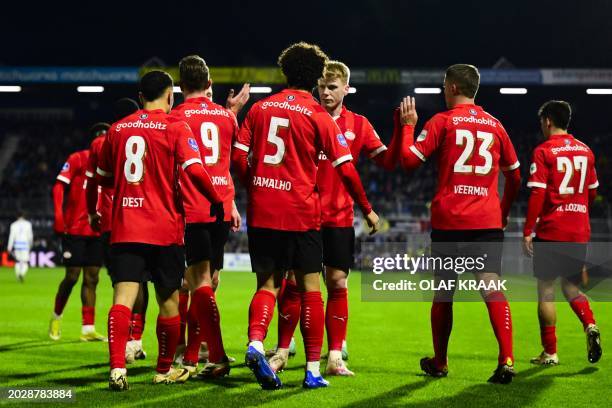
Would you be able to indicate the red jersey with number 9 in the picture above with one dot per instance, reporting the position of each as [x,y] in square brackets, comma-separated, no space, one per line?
[143,153]
[214,128]
[283,135]
[565,168]
[471,146]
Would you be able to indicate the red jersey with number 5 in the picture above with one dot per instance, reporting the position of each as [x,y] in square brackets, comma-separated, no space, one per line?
[283,135]
[336,202]
[471,146]
[105,202]
[215,129]
[75,210]
[143,153]
[565,167]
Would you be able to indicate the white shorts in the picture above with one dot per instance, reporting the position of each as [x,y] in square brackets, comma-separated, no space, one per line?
[22,255]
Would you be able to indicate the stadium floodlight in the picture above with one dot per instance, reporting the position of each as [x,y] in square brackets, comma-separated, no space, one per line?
[431,91]
[261,89]
[176,89]
[352,90]
[10,88]
[599,91]
[513,91]
[90,89]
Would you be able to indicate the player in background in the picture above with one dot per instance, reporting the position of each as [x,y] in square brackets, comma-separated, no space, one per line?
[81,245]
[337,229]
[20,242]
[121,108]
[140,159]
[472,147]
[563,185]
[276,155]
[214,128]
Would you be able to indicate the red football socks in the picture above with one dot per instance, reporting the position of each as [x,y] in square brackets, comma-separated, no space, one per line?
[501,320]
[336,318]
[194,335]
[183,310]
[312,325]
[580,306]
[289,306]
[549,339]
[441,326]
[137,326]
[60,304]
[168,330]
[209,322]
[118,333]
[88,314]
[261,311]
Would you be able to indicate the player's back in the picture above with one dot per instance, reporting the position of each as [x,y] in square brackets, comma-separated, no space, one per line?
[565,167]
[105,201]
[146,204]
[472,147]
[73,173]
[21,235]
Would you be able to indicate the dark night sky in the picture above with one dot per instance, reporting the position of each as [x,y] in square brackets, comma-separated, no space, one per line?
[368,33]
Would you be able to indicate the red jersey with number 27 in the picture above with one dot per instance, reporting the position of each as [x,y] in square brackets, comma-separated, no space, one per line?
[565,168]
[143,152]
[336,202]
[283,135]
[471,146]
[75,210]
[105,202]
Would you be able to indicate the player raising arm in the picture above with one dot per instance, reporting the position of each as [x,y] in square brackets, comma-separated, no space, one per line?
[563,184]
[140,159]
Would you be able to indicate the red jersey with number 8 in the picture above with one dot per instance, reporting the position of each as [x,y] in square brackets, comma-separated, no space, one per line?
[143,152]
[565,168]
[471,146]
[283,135]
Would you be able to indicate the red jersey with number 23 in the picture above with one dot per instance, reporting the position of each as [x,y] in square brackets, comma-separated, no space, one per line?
[336,202]
[565,168]
[143,152]
[283,135]
[471,146]
[105,202]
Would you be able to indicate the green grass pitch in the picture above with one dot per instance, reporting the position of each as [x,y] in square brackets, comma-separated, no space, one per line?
[386,341]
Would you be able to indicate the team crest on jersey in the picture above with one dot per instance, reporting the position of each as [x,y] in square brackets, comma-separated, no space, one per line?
[422,136]
[349,135]
[533,168]
[193,144]
[342,140]
[290,97]
[204,106]
[473,112]
[144,116]
[66,166]
[566,141]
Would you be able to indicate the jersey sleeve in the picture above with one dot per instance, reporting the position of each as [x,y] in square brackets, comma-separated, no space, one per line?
[592,180]
[69,169]
[92,162]
[186,151]
[538,170]
[430,138]
[331,139]
[508,159]
[105,166]
[372,144]
[243,139]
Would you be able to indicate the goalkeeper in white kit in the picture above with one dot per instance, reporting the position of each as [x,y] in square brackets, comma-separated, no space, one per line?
[19,245]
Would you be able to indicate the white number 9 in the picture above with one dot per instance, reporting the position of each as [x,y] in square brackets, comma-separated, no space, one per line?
[210,139]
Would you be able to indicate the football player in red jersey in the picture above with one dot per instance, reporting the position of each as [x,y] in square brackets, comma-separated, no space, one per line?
[563,185]
[215,129]
[140,159]
[472,147]
[276,155]
[81,245]
[134,351]
[337,229]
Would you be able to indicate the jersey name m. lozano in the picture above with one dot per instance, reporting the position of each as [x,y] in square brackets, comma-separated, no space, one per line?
[283,135]
[471,146]
[215,129]
[336,202]
[565,168]
[144,162]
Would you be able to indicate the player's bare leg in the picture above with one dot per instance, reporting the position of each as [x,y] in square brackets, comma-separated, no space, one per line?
[134,350]
[441,327]
[289,307]
[547,316]
[61,298]
[580,305]
[88,299]
[336,320]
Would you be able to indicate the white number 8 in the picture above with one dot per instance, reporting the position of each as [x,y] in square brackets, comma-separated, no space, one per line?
[134,166]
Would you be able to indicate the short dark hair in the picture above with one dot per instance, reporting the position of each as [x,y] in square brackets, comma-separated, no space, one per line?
[154,83]
[124,107]
[466,77]
[558,112]
[302,64]
[194,73]
[98,128]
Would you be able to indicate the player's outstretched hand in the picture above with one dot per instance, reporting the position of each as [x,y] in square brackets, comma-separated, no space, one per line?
[236,220]
[94,221]
[528,246]
[372,220]
[408,113]
[216,210]
[236,103]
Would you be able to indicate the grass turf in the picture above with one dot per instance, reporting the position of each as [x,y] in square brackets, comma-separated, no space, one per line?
[386,341]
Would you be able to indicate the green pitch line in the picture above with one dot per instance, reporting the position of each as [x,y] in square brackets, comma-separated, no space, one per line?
[386,341]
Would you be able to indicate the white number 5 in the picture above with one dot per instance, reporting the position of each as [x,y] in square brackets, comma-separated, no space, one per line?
[275,124]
